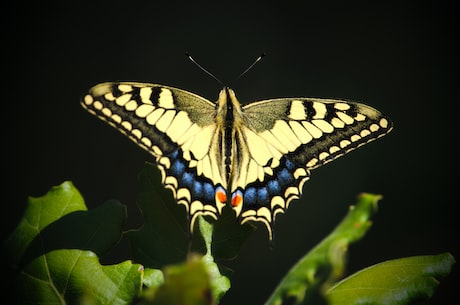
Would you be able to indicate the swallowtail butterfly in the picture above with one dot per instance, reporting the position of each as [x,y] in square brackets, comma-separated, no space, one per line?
[255,157]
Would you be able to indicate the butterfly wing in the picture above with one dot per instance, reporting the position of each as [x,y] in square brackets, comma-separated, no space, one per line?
[286,138]
[175,126]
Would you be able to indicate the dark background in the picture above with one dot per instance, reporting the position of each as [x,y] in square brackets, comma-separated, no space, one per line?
[397,58]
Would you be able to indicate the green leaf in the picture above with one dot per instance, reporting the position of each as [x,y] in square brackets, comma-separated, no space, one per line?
[196,281]
[397,282]
[325,263]
[186,284]
[45,252]
[219,283]
[163,239]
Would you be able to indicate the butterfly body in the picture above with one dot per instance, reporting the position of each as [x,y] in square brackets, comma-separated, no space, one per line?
[254,158]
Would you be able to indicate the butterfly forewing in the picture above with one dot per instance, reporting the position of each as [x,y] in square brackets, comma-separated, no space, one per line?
[255,157]
[286,138]
[175,126]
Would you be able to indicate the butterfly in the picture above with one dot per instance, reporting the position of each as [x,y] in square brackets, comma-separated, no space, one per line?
[254,158]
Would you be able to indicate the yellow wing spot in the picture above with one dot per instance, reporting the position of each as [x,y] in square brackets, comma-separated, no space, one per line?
[165,99]
[341,106]
[300,172]
[131,105]
[163,123]
[116,118]
[165,162]
[107,112]
[210,208]
[291,191]
[195,206]
[320,109]
[88,99]
[337,123]
[122,100]
[249,215]
[146,142]
[277,201]
[265,213]
[145,94]
[170,180]
[374,127]
[323,155]
[125,88]
[360,117]
[344,143]
[184,193]
[136,133]
[98,105]
[154,116]
[261,173]
[126,125]
[364,133]
[384,123]
[312,162]
[345,118]
[109,96]
[355,138]
[144,110]
[302,134]
[302,182]
[312,129]
[268,171]
[156,151]
[297,111]
[333,149]
[323,125]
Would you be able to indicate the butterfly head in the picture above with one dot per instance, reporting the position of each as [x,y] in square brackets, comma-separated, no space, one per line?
[228,106]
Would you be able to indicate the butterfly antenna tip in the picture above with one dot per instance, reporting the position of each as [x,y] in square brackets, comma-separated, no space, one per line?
[202,68]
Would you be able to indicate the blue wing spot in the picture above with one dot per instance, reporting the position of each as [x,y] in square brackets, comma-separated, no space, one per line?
[208,191]
[197,187]
[249,196]
[273,187]
[262,195]
[285,177]
[188,179]
[289,165]
[178,168]
[174,154]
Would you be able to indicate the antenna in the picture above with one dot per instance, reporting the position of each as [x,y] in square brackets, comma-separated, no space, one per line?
[252,65]
[201,67]
[218,80]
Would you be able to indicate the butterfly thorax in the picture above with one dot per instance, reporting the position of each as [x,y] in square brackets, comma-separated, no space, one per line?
[229,119]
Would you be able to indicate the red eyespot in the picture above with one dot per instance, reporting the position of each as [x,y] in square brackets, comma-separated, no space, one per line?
[220,195]
[237,198]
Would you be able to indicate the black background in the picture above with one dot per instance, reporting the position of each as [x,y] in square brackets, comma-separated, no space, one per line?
[397,58]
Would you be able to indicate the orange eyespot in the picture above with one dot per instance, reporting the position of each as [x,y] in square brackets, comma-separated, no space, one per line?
[237,198]
[220,195]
